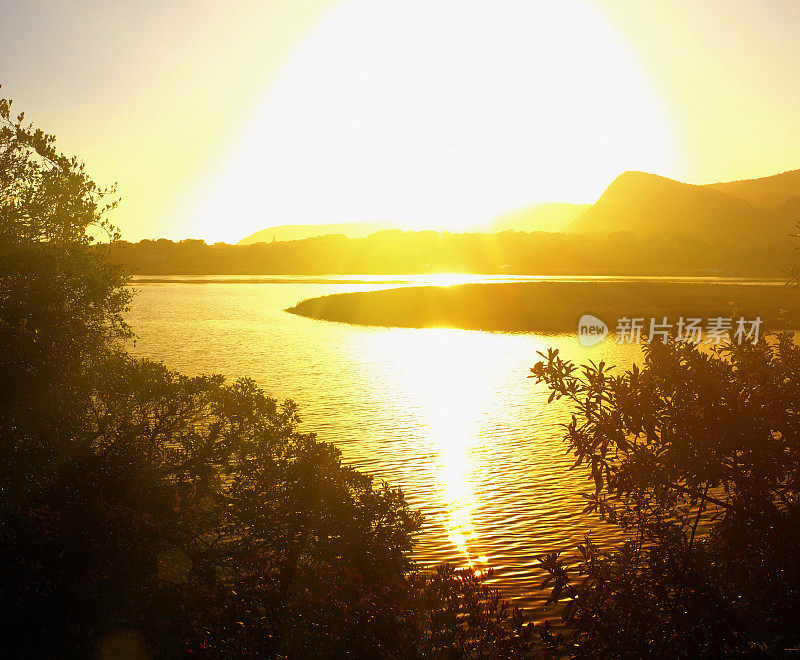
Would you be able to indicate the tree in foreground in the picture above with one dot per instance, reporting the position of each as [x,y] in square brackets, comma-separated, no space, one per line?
[144,512]
[60,300]
[696,457]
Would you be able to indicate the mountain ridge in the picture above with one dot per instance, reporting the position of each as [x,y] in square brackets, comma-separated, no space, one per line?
[768,191]
[648,203]
[748,211]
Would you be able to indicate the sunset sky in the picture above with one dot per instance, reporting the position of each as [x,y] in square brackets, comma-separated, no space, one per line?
[221,118]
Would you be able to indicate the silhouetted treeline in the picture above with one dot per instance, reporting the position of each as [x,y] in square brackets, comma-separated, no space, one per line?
[508,252]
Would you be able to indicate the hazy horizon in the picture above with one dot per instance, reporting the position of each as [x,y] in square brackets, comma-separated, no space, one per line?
[234,119]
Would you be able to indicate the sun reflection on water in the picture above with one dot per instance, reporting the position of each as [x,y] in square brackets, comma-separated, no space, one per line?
[475,447]
[448,376]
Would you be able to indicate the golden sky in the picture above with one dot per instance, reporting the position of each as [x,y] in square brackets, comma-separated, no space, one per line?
[221,118]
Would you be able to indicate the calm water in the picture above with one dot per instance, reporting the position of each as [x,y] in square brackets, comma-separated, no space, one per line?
[446,414]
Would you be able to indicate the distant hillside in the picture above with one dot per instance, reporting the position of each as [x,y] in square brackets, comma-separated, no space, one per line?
[300,232]
[554,217]
[651,204]
[768,191]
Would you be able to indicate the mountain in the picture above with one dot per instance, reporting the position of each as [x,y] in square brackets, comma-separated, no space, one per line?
[300,232]
[753,211]
[651,204]
[539,217]
[768,191]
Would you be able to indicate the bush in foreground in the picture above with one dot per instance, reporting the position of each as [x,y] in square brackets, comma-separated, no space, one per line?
[696,456]
[185,501]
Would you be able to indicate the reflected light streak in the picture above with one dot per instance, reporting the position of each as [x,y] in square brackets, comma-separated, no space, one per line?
[450,386]
[447,375]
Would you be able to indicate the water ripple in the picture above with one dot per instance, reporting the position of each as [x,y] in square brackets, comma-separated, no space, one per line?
[448,415]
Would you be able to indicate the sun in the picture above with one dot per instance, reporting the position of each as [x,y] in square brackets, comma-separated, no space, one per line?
[439,115]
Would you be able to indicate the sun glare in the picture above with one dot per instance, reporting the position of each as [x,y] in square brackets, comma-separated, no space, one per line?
[439,115]
[444,377]
[452,398]
[450,279]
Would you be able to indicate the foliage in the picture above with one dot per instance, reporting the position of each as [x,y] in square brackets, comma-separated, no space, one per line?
[138,499]
[57,294]
[60,299]
[188,500]
[194,514]
[465,618]
[696,456]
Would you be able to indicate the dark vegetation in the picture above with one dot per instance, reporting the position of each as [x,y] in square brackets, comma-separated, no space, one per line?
[146,513]
[508,252]
[553,307]
[696,456]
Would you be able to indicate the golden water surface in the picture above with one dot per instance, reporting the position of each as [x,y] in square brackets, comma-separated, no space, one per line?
[448,415]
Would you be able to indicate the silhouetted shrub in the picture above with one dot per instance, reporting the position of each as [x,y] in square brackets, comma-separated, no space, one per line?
[696,456]
[187,501]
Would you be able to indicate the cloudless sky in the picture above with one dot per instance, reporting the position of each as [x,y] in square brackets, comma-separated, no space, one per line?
[221,118]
